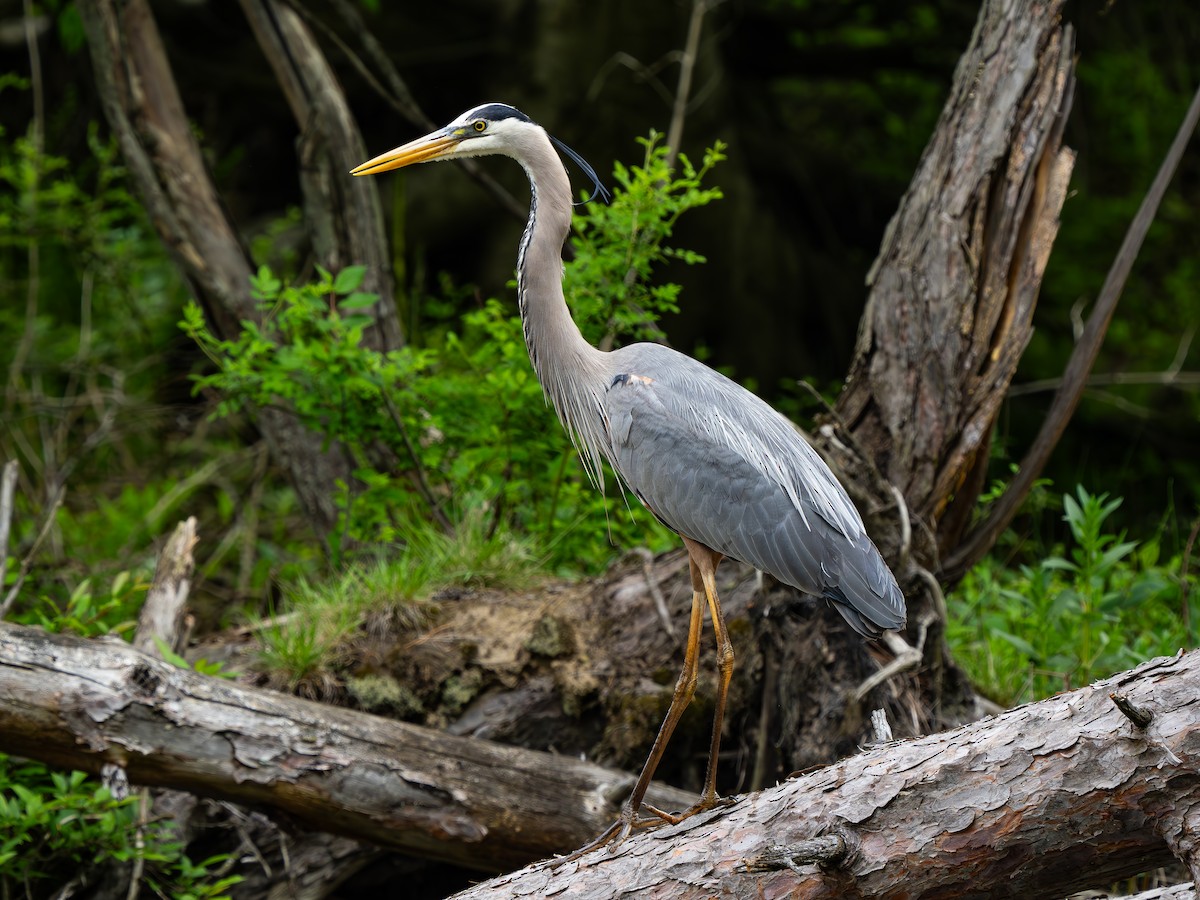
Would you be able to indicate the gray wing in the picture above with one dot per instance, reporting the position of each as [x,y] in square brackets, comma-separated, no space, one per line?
[717,464]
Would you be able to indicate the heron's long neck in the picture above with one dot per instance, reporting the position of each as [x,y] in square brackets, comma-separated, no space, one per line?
[570,370]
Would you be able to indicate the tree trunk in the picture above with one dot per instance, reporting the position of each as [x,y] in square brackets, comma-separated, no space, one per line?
[949,312]
[1038,802]
[145,112]
[953,290]
[343,214]
[1056,796]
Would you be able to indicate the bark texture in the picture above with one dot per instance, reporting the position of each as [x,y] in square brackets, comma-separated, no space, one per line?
[1037,802]
[82,704]
[953,290]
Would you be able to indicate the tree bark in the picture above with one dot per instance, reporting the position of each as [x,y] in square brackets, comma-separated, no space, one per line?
[1037,802]
[145,112]
[83,704]
[1056,796]
[953,290]
[948,315]
[343,214]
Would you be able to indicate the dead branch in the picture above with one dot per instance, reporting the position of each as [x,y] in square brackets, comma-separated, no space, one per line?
[166,601]
[1040,801]
[83,704]
[1037,802]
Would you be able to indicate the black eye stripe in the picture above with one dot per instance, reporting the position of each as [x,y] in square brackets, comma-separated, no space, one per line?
[496,111]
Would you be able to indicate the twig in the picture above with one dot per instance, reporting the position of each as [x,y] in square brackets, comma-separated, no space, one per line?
[906,657]
[905,529]
[881,728]
[396,92]
[27,562]
[981,539]
[37,130]
[646,73]
[1166,378]
[687,65]
[435,507]
[766,712]
[827,850]
[1138,715]
[660,602]
[1185,608]
[8,487]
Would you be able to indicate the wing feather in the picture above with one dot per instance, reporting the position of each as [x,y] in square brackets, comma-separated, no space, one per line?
[720,466]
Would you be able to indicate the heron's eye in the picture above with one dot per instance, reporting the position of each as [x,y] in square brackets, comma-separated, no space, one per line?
[480,125]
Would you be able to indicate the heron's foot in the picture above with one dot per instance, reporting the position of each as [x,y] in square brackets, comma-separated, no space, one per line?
[704,804]
[626,823]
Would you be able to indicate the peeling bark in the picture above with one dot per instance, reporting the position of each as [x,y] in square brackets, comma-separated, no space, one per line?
[953,290]
[1037,802]
[82,704]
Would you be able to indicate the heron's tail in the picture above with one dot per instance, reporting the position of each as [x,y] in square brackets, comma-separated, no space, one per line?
[867,595]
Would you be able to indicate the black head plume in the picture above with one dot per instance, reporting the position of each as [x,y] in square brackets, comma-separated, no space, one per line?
[598,190]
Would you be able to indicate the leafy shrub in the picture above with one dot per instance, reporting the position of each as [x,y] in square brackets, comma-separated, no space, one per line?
[57,828]
[1100,606]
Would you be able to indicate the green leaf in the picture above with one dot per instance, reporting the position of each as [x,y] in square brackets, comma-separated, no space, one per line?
[358,300]
[349,279]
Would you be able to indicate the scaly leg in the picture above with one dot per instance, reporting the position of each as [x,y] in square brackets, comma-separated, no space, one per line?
[705,561]
[685,688]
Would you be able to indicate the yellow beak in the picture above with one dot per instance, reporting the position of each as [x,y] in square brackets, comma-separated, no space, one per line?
[424,149]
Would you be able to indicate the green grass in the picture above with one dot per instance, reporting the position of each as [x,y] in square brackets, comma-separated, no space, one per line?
[304,644]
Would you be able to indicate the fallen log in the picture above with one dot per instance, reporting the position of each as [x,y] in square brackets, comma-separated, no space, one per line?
[1071,792]
[83,704]
[1040,801]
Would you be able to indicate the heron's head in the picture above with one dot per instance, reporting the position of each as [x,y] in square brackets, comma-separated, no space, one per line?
[487,129]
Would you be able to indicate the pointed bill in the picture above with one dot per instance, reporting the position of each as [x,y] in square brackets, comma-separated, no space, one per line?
[423,149]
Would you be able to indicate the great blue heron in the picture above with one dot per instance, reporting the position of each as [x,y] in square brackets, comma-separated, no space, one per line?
[708,458]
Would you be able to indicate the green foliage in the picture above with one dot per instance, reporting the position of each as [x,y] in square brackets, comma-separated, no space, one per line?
[86,320]
[457,433]
[55,823]
[1102,605]
[202,666]
[609,279]
[88,614]
[58,827]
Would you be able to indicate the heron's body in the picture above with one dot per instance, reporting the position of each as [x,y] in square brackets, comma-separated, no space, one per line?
[710,459]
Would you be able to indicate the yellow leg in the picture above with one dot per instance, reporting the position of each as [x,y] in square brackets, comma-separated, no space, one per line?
[703,564]
[725,667]
[685,688]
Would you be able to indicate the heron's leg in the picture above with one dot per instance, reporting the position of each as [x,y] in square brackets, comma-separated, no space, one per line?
[725,667]
[685,688]
[704,562]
